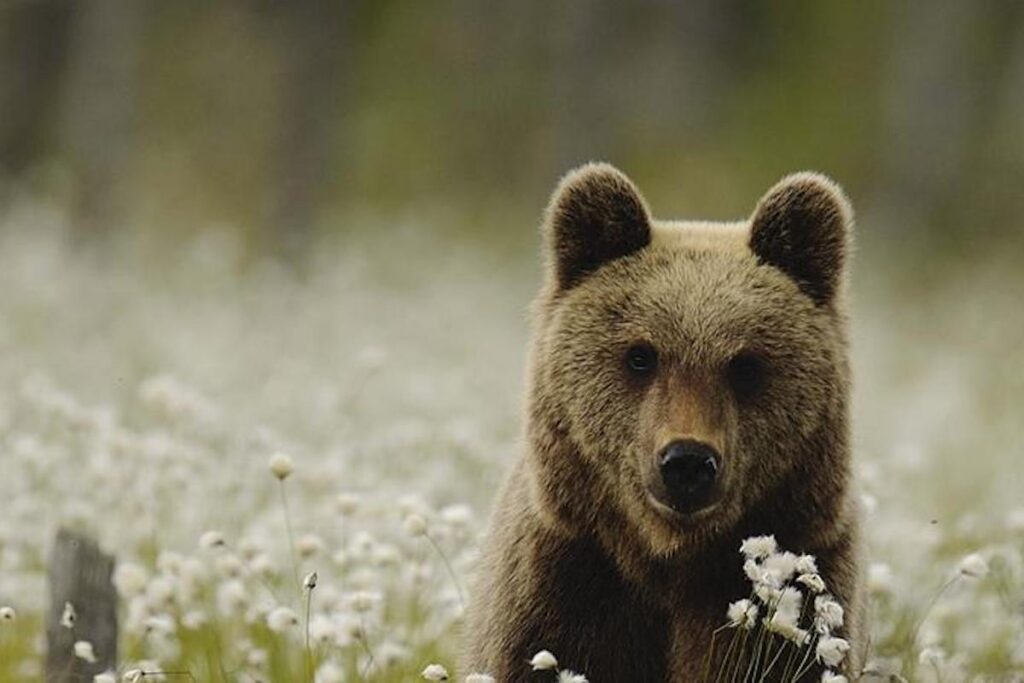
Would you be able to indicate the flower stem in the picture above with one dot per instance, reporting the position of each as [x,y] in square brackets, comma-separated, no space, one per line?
[451,571]
[309,652]
[291,536]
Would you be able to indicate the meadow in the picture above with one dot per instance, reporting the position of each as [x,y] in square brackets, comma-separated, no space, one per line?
[144,400]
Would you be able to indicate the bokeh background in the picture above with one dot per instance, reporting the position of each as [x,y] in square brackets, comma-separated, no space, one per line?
[284,120]
[236,227]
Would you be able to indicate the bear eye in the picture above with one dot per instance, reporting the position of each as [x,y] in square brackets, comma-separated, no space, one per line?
[641,359]
[746,374]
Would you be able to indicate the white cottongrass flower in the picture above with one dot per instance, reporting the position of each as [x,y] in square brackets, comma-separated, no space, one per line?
[194,619]
[310,581]
[759,547]
[790,631]
[329,672]
[83,650]
[149,670]
[415,525]
[281,619]
[755,573]
[309,545]
[566,676]
[786,618]
[767,593]
[742,614]
[460,516]
[831,651]
[347,504]
[322,630]
[814,582]
[806,564]
[832,677]
[231,597]
[230,566]
[543,661]
[974,566]
[281,465]
[780,567]
[68,616]
[480,678]
[132,676]
[828,614]
[1015,520]
[435,672]
[7,613]
[105,677]
[880,577]
[212,539]
[931,656]
[364,601]
[130,579]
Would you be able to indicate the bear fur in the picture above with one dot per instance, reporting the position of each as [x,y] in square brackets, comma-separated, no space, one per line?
[748,323]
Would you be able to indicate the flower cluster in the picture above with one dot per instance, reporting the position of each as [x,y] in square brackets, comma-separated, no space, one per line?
[787,623]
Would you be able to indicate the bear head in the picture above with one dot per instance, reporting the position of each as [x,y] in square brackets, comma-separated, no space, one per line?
[680,372]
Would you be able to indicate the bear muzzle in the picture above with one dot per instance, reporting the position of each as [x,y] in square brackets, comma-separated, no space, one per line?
[690,473]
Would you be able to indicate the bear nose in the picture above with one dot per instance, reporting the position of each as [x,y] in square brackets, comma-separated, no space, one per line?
[689,470]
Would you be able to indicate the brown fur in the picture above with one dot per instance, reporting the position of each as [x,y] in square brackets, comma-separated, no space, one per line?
[581,558]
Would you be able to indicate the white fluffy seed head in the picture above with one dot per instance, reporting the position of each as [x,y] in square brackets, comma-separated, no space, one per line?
[566,676]
[828,614]
[435,672]
[68,616]
[759,547]
[780,567]
[281,619]
[415,525]
[7,613]
[130,579]
[806,564]
[309,545]
[543,661]
[880,578]
[1015,520]
[309,583]
[281,465]
[105,677]
[364,601]
[832,677]
[347,504]
[814,582]
[831,651]
[212,539]
[742,614]
[974,566]
[84,651]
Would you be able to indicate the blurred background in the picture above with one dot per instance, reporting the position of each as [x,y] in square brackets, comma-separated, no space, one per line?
[230,228]
[285,122]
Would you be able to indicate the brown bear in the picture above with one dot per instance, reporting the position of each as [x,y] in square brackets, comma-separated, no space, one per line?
[688,387]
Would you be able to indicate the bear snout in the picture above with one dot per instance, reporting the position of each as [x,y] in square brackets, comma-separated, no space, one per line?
[690,473]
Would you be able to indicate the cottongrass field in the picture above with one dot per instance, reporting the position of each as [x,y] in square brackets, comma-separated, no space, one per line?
[294,474]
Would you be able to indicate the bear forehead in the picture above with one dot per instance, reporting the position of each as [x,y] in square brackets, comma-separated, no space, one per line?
[695,281]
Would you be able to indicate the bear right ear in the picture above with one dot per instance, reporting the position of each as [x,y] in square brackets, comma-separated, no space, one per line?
[596,215]
[802,227]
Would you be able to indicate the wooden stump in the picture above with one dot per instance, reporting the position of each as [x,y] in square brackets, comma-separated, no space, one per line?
[80,574]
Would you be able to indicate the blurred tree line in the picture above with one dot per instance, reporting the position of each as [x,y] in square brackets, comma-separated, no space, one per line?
[287,118]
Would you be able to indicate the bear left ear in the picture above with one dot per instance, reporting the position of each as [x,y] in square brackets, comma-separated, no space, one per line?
[596,215]
[802,227]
